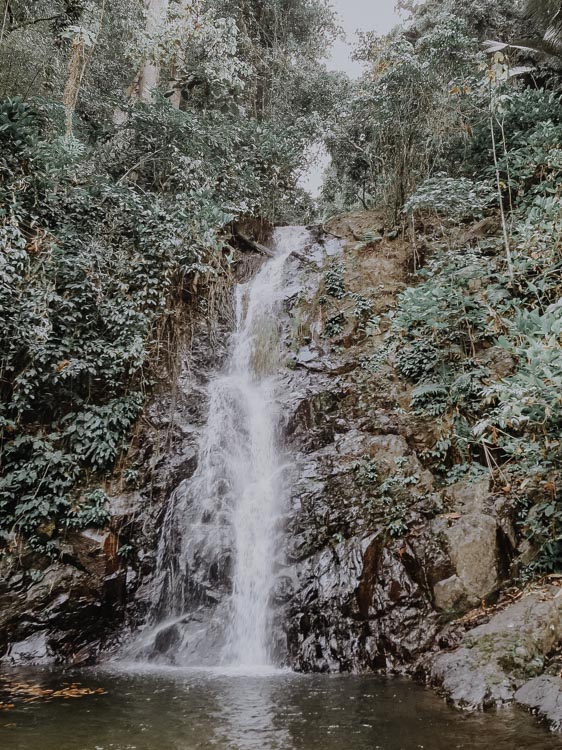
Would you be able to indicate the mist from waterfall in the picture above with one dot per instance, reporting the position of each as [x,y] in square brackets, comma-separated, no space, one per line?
[224,524]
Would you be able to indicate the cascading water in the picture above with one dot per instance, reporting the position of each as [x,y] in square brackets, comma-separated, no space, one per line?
[220,537]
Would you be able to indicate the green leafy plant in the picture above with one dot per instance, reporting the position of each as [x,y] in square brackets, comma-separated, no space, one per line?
[453,199]
[334,281]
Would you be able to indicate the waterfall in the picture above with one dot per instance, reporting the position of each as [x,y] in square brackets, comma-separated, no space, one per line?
[222,531]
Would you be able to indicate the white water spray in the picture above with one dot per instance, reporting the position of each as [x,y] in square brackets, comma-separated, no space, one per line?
[224,522]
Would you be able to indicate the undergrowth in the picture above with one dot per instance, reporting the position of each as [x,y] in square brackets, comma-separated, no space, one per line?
[481,342]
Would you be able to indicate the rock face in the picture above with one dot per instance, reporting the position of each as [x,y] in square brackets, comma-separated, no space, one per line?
[376,551]
[357,602]
[357,598]
[357,608]
[68,611]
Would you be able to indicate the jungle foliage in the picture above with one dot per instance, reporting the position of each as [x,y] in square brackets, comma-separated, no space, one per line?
[461,142]
[129,140]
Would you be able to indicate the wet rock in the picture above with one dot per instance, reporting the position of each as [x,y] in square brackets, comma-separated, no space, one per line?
[496,658]
[94,551]
[357,608]
[123,508]
[62,615]
[432,560]
[360,599]
[543,696]
[32,650]
[311,421]
[306,355]
[166,639]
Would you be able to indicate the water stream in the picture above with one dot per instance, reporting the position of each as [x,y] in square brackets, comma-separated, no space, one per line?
[221,535]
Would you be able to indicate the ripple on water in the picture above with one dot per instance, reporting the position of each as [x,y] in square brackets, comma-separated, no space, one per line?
[231,709]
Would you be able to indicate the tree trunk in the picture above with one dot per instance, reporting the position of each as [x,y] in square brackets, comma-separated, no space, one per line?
[156,12]
[76,67]
[148,76]
[175,98]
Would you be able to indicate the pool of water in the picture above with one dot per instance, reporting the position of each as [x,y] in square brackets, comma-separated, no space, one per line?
[185,710]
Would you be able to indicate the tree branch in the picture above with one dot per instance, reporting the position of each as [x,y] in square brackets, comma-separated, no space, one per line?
[34,22]
[4,19]
[256,246]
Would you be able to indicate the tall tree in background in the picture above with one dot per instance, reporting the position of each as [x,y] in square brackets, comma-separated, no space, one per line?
[156,15]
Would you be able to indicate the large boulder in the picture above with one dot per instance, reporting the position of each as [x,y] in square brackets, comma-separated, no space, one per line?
[479,539]
[497,658]
[471,541]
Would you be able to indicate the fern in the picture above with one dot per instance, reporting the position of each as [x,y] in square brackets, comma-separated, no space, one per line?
[334,281]
[428,390]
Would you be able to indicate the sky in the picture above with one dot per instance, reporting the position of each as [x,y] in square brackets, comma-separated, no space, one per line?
[362,15]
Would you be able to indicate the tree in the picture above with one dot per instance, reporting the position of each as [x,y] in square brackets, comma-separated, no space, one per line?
[402,114]
[149,77]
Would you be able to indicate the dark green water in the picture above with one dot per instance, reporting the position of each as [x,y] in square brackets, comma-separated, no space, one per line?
[186,710]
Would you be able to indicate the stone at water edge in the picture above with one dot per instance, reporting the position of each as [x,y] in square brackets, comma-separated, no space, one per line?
[543,695]
[497,658]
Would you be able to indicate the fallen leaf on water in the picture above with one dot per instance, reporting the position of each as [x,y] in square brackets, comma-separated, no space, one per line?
[32,692]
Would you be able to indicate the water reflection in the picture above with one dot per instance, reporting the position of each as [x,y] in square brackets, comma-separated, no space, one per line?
[251,710]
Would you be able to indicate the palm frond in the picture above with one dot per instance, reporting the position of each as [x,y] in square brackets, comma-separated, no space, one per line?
[547,14]
[542,11]
[545,47]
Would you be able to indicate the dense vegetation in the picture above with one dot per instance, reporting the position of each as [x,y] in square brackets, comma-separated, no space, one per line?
[456,129]
[130,139]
